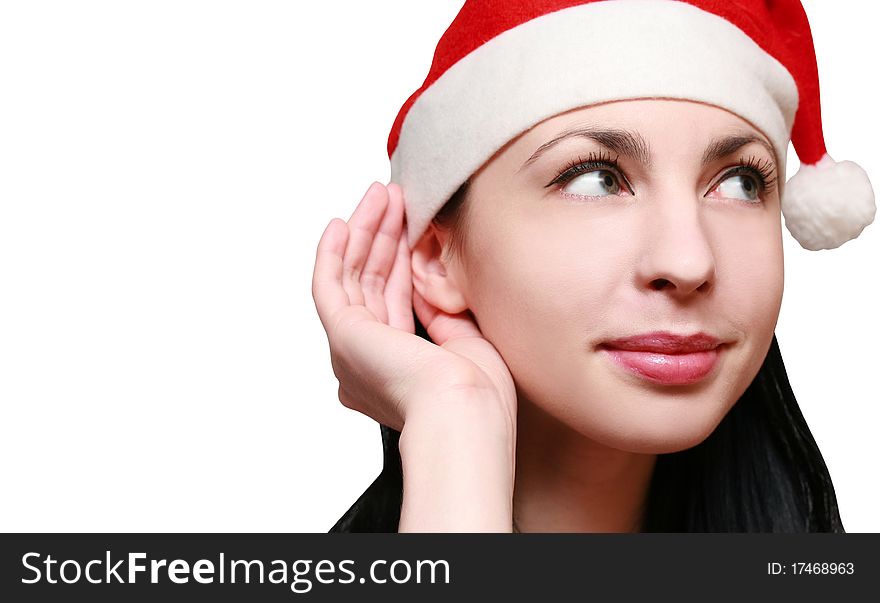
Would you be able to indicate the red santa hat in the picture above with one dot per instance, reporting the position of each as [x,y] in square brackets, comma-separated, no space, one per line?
[503,66]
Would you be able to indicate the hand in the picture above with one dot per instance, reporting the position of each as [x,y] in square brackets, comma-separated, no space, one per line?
[363,291]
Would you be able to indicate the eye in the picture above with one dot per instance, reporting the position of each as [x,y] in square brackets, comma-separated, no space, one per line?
[596,176]
[596,183]
[740,186]
[750,181]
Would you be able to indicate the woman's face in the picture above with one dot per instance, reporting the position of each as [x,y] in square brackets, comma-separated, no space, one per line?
[557,262]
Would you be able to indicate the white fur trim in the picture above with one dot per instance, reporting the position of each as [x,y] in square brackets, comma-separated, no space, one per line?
[577,57]
[827,204]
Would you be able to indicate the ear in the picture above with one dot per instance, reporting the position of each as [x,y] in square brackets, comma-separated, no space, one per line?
[431,276]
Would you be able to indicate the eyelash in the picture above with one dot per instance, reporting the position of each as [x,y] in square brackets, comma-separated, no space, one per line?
[761,169]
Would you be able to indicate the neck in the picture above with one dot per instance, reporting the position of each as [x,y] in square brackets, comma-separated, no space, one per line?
[566,482]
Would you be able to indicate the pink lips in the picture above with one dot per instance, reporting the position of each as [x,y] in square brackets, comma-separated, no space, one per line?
[664,357]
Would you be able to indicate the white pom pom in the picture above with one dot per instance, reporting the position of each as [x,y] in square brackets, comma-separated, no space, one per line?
[827,204]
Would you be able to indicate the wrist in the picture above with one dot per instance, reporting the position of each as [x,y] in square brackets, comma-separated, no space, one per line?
[469,417]
[458,469]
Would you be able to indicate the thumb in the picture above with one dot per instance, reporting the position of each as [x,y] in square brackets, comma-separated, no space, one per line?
[443,327]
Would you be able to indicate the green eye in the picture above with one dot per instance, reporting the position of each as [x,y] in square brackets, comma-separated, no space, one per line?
[740,186]
[596,183]
[596,176]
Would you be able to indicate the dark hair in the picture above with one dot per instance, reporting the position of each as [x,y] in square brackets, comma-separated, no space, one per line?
[760,470]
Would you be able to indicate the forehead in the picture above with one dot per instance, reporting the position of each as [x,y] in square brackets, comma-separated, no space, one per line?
[659,120]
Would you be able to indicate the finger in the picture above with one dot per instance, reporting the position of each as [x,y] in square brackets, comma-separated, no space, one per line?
[442,327]
[363,225]
[382,254]
[327,289]
[399,289]
[425,312]
[385,243]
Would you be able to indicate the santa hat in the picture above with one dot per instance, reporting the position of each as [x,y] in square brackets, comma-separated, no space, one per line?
[503,66]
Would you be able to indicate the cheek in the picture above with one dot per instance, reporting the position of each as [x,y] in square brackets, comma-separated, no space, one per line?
[750,280]
[540,304]
[523,297]
[526,289]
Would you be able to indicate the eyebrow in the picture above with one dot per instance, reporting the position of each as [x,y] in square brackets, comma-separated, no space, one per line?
[632,144]
[722,147]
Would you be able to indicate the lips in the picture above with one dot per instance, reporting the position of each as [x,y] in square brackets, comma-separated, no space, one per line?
[666,358]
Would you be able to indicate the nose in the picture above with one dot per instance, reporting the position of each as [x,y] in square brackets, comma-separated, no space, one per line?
[677,256]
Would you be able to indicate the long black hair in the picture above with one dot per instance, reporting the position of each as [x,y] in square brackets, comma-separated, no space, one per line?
[760,470]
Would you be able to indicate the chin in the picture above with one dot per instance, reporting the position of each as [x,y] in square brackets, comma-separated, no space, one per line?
[661,442]
[651,424]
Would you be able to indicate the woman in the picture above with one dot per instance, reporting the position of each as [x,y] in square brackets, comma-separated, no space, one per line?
[593,253]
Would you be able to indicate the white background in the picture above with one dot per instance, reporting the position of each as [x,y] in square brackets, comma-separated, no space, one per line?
[166,171]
